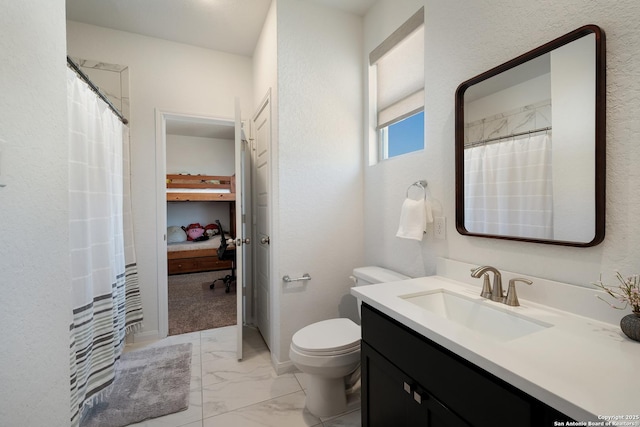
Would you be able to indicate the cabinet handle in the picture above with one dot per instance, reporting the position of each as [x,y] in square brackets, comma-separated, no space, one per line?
[417,395]
[407,388]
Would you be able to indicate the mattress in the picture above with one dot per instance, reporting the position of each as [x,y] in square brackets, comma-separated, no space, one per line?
[212,243]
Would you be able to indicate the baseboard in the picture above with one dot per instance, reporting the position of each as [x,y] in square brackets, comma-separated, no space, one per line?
[146,336]
[282,367]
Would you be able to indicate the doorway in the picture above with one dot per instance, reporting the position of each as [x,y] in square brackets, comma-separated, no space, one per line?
[203,148]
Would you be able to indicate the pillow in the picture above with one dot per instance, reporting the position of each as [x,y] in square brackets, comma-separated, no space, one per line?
[176,234]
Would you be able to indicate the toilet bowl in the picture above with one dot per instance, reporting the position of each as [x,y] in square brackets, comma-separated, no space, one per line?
[328,352]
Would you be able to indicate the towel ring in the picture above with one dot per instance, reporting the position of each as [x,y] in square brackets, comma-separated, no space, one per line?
[421,184]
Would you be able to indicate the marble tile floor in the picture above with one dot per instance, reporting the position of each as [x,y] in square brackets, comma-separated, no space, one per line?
[226,392]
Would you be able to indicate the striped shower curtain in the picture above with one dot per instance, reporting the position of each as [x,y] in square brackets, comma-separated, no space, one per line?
[508,188]
[106,301]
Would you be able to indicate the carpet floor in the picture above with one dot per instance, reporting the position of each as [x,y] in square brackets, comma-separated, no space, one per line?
[194,307]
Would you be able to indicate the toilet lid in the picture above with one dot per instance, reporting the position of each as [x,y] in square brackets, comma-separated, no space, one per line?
[328,336]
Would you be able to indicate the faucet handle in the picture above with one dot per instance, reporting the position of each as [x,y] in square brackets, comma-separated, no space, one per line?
[486,284]
[512,297]
[486,287]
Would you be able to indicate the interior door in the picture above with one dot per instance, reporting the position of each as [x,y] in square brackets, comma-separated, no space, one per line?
[241,241]
[262,127]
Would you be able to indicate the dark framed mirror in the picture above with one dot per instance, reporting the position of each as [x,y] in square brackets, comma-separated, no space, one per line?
[530,145]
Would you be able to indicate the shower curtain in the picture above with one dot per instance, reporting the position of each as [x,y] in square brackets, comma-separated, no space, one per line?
[106,301]
[508,188]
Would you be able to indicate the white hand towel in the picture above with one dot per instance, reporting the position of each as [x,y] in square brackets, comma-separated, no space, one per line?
[413,217]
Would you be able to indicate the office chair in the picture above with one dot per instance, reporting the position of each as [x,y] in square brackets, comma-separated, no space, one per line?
[226,254]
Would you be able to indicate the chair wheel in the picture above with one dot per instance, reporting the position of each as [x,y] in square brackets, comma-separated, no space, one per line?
[211,286]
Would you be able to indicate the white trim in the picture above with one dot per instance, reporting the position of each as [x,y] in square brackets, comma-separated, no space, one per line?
[282,367]
[161,223]
[145,336]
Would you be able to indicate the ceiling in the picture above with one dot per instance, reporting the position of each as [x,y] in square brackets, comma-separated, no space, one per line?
[231,26]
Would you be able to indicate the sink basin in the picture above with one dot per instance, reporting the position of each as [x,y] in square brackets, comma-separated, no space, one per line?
[479,315]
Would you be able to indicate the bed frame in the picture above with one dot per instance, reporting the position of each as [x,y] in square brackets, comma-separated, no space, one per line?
[204,183]
[197,260]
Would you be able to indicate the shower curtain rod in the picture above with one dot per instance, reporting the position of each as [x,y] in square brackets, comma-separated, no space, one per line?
[498,138]
[94,88]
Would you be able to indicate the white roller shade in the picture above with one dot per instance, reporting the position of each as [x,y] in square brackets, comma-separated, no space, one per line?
[400,72]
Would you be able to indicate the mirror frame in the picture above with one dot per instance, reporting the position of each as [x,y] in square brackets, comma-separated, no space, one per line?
[600,133]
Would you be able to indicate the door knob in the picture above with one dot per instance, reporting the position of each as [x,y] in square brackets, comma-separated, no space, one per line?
[265,240]
[239,241]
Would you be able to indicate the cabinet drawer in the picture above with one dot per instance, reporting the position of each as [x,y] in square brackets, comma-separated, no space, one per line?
[474,394]
[186,265]
[191,265]
[213,263]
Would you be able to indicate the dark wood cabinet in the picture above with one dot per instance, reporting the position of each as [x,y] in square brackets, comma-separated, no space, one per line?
[395,399]
[408,380]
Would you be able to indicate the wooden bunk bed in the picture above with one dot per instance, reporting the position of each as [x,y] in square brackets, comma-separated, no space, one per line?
[192,257]
[201,188]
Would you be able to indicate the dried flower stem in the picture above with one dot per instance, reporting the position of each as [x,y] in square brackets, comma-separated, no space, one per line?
[628,292]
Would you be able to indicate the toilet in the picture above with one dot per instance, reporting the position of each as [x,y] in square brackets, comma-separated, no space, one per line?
[328,352]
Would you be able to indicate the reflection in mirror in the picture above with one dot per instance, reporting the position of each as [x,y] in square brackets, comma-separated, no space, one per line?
[530,145]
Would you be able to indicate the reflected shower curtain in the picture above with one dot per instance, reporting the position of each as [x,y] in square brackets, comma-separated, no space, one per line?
[508,188]
[106,300]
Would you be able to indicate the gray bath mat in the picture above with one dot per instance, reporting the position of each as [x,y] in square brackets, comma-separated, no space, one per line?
[149,383]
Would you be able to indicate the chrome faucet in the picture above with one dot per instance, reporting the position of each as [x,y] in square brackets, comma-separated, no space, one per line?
[496,294]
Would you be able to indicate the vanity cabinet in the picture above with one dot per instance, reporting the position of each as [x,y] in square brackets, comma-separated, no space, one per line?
[408,380]
[387,406]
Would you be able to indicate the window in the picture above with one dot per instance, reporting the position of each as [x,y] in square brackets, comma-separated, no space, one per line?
[398,64]
[403,137]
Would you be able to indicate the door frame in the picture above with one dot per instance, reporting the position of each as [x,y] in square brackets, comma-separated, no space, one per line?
[161,204]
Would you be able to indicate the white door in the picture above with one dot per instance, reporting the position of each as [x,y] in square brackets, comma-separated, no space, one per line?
[241,240]
[262,127]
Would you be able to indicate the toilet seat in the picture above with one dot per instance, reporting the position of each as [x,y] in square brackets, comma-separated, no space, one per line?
[331,337]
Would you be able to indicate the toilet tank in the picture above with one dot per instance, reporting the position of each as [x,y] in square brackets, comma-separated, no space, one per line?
[371,275]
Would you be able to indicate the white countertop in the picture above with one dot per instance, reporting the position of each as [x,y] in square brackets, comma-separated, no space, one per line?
[584,368]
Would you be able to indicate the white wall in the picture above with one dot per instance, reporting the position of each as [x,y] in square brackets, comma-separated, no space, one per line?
[198,155]
[320,162]
[35,307]
[172,77]
[265,59]
[464,39]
